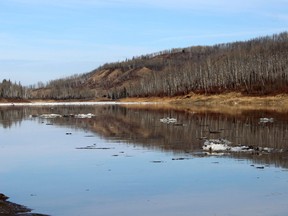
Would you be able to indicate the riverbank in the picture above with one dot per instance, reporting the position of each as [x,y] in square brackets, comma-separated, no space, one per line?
[232,99]
[229,100]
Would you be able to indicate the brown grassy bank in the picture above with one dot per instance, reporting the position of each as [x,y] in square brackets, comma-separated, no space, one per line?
[229,101]
[220,102]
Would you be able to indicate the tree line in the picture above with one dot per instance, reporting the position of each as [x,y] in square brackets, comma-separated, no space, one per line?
[13,90]
[72,87]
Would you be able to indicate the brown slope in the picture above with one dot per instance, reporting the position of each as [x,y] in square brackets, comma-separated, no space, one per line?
[117,78]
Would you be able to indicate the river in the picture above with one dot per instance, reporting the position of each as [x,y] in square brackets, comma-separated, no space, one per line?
[131,160]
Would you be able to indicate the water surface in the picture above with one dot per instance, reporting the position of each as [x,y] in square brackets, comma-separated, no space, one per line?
[124,161]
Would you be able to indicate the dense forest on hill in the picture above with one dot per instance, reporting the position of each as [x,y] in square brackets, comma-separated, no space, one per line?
[255,67]
[258,66]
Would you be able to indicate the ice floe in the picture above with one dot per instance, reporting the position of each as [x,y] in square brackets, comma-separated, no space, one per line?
[168,120]
[50,116]
[223,145]
[216,145]
[89,115]
[266,120]
[53,115]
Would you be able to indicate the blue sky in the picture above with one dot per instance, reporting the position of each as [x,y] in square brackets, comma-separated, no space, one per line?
[41,40]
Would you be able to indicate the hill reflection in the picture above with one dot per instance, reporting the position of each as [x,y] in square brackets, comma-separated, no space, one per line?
[142,126]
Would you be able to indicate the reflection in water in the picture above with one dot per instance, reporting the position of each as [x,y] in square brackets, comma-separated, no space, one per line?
[143,127]
[10,116]
[125,161]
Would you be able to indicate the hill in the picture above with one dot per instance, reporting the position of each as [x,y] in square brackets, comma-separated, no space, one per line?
[255,67]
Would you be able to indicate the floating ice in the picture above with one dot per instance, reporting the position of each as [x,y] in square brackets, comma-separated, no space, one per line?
[168,120]
[89,115]
[52,116]
[216,145]
[266,120]
[48,116]
[223,145]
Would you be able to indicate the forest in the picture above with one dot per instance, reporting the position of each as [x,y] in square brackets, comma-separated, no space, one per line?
[255,67]
[13,90]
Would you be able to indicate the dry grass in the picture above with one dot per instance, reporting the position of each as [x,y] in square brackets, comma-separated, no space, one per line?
[228,103]
[3,100]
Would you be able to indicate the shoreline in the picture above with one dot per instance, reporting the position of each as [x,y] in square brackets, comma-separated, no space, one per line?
[228,100]
[87,103]
[220,102]
[10,208]
[232,98]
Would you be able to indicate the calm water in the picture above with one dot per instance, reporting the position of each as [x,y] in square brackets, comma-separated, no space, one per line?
[124,161]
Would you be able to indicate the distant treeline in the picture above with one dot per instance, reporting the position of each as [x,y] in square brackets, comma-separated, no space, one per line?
[258,66]
[73,87]
[13,90]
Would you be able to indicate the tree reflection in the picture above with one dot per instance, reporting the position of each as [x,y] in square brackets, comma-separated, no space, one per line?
[142,126]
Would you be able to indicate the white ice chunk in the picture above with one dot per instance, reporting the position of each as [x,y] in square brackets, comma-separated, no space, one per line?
[47,116]
[168,120]
[216,145]
[223,145]
[89,115]
[266,120]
